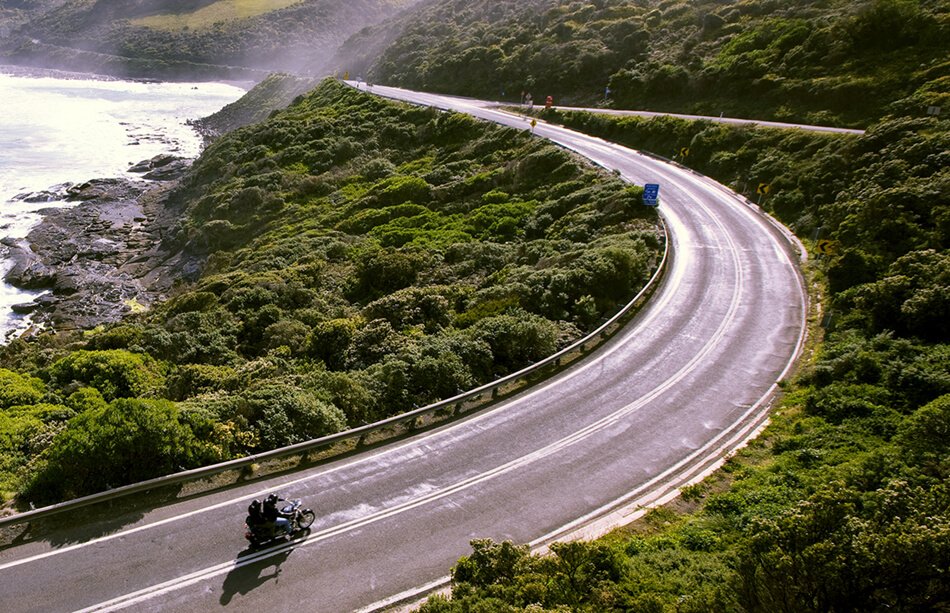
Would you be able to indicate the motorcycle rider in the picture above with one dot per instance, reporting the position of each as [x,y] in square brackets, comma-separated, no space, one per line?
[255,516]
[273,516]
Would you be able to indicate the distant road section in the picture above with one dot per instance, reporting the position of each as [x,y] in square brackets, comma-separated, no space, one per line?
[657,406]
[727,120]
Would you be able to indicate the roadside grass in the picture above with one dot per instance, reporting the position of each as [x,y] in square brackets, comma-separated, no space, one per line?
[223,10]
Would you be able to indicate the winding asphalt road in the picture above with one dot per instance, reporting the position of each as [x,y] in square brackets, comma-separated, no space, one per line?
[689,380]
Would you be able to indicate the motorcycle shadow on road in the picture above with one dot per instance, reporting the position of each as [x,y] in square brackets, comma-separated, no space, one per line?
[251,570]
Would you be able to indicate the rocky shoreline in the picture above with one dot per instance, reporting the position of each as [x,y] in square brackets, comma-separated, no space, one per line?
[104,255]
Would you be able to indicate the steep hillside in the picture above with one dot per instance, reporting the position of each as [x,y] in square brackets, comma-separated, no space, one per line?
[14,13]
[360,257]
[818,61]
[192,37]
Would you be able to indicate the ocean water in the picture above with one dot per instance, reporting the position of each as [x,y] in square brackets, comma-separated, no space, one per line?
[63,129]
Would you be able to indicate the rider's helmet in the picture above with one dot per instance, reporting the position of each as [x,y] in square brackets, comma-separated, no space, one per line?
[272,499]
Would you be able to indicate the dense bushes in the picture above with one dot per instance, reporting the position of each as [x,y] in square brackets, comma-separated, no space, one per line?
[505,577]
[115,374]
[347,278]
[16,389]
[126,441]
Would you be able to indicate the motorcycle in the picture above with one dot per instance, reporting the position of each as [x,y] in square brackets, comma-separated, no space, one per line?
[300,519]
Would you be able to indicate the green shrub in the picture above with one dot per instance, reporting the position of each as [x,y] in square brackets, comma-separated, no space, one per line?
[516,340]
[286,415]
[115,373]
[190,380]
[129,440]
[17,389]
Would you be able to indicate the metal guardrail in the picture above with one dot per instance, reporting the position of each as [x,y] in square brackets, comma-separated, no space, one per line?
[450,409]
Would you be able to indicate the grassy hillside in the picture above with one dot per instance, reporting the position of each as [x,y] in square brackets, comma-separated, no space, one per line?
[817,61]
[843,504]
[188,38]
[361,257]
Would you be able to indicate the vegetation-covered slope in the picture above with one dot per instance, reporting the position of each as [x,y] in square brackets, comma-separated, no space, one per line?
[843,505]
[191,38]
[275,92]
[362,257]
[818,61]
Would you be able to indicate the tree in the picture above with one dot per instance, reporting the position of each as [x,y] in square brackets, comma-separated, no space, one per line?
[517,340]
[925,436]
[490,563]
[129,440]
[583,571]
[116,373]
[913,296]
[330,340]
[841,550]
[383,272]
[287,415]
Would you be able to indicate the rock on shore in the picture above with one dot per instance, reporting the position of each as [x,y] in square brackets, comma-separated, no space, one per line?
[102,257]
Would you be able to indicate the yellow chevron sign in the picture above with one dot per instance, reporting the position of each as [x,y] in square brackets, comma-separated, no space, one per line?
[826,247]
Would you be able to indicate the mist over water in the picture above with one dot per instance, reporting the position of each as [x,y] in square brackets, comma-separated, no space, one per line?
[68,130]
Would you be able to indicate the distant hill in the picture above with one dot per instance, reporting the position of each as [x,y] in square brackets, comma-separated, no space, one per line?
[185,38]
[818,61]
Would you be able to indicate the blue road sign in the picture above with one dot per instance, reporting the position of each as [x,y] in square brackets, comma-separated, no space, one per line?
[651,194]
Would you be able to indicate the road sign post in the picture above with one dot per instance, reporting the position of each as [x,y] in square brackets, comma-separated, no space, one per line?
[651,194]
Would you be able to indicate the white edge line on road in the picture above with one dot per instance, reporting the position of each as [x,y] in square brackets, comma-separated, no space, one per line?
[178,583]
[226,567]
[552,448]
